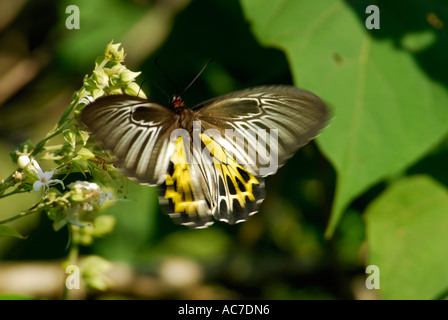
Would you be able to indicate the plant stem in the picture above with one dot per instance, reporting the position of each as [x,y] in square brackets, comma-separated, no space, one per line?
[21,214]
[11,193]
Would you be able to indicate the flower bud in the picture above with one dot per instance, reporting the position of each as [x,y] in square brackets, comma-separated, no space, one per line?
[18,176]
[128,76]
[101,78]
[133,89]
[23,162]
[113,53]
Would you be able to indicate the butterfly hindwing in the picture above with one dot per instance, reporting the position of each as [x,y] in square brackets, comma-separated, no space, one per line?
[239,192]
[213,185]
[185,192]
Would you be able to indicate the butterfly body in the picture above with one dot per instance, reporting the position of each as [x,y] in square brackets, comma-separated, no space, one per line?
[209,161]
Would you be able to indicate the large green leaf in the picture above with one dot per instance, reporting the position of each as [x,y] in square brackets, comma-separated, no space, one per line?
[388,110]
[407,239]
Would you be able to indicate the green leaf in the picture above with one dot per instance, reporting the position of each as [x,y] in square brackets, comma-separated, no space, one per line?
[6,231]
[407,238]
[70,137]
[388,112]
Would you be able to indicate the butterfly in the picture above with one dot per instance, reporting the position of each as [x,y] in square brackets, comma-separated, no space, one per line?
[209,161]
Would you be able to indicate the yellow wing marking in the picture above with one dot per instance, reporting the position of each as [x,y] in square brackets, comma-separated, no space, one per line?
[238,187]
[179,185]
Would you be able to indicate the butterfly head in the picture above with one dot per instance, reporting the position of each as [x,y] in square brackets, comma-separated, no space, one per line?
[177,103]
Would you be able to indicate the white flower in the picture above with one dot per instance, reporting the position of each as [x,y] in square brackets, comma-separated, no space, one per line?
[43,178]
[90,194]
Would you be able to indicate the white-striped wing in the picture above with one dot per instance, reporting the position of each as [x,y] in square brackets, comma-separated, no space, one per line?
[137,131]
[268,123]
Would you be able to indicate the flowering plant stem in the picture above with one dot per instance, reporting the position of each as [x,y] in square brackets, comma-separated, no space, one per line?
[67,201]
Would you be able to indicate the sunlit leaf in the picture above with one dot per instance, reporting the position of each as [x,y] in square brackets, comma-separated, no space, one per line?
[388,112]
[407,239]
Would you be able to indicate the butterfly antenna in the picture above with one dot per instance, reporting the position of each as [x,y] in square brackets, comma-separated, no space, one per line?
[140,87]
[156,62]
[198,75]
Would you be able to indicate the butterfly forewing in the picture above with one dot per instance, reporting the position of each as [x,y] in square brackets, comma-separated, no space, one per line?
[136,131]
[297,115]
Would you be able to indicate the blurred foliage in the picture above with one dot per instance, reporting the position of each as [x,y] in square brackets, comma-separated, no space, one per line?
[387,89]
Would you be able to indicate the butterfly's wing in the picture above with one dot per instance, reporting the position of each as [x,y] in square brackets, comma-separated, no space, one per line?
[297,115]
[187,194]
[213,184]
[237,193]
[137,131]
